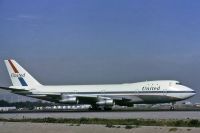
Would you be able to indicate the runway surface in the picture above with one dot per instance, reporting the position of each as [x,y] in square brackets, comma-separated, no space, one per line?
[108,115]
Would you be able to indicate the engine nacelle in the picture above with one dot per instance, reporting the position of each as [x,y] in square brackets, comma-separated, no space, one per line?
[105,102]
[69,99]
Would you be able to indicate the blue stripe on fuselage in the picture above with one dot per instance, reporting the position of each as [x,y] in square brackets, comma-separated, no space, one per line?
[134,92]
[22,81]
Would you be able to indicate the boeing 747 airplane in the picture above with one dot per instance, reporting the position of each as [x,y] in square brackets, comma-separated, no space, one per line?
[98,96]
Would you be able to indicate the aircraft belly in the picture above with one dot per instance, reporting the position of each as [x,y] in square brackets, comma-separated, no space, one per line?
[157,98]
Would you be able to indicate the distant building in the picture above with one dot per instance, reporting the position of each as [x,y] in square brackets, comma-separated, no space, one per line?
[2,109]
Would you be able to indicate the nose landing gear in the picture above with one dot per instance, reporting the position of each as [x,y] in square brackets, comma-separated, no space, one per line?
[172,107]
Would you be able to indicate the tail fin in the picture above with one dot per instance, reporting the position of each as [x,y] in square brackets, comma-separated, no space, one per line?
[18,75]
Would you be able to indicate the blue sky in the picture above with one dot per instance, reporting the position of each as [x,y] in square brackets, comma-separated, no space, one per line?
[94,42]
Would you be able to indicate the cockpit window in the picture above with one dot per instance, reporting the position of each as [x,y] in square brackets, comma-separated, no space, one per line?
[178,83]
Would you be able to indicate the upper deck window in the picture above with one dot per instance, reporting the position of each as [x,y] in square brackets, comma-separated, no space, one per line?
[178,83]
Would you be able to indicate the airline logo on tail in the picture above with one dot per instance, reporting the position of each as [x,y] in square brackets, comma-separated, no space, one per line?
[18,75]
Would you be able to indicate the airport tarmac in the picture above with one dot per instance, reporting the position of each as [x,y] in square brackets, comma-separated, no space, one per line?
[26,127]
[108,115]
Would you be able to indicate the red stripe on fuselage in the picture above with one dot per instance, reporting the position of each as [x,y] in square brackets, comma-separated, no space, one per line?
[13,67]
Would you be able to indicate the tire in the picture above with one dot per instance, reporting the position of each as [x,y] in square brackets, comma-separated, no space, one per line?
[95,108]
[107,108]
[172,108]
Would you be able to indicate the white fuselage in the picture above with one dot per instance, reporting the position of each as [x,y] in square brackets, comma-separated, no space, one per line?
[141,92]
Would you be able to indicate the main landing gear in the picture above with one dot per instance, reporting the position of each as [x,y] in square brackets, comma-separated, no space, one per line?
[100,108]
[107,108]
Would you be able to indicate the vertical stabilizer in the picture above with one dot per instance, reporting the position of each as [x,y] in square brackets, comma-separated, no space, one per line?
[18,75]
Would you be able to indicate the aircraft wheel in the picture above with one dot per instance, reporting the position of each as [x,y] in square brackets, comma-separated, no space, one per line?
[172,108]
[107,108]
[95,108]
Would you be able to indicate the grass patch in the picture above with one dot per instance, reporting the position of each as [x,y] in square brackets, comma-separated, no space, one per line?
[131,126]
[173,129]
[195,123]
[111,122]
[109,125]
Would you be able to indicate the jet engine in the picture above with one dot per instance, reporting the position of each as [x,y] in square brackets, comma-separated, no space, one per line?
[68,99]
[105,102]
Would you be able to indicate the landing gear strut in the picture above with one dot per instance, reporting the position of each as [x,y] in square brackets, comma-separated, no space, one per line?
[95,108]
[172,107]
[107,108]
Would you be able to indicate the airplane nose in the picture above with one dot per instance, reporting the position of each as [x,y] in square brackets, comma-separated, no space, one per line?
[194,93]
[191,92]
[187,92]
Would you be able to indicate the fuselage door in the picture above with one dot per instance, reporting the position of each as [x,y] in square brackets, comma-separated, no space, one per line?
[103,92]
[164,91]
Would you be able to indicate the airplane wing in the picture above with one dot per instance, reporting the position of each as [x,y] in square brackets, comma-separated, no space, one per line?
[88,99]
